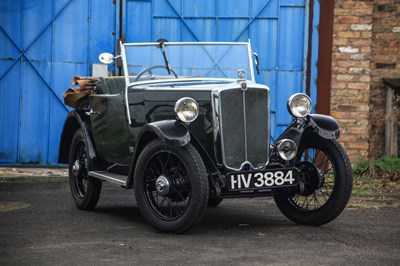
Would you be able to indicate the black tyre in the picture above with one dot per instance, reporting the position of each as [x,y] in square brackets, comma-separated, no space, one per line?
[171,186]
[325,183]
[85,190]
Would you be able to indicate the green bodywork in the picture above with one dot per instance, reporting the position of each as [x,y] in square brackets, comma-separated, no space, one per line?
[116,139]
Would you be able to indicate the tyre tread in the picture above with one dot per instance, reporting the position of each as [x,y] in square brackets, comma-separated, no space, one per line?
[202,189]
[335,205]
[92,196]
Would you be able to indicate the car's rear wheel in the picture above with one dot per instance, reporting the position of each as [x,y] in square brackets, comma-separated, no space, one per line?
[171,186]
[325,183]
[85,190]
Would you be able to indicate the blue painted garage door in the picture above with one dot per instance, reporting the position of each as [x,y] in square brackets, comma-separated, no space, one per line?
[278,30]
[43,44]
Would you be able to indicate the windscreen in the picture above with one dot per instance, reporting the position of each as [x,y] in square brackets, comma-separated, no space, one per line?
[186,60]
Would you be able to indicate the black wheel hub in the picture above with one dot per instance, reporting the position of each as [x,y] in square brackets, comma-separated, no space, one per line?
[166,186]
[76,168]
[162,185]
[310,178]
[79,171]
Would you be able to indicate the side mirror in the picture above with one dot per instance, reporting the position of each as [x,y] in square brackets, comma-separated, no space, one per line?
[106,58]
[256,62]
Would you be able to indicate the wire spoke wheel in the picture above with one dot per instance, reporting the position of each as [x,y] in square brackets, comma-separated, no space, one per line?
[79,170]
[317,180]
[85,190]
[171,204]
[171,186]
[325,183]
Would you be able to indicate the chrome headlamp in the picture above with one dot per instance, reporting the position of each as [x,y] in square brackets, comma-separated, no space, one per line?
[186,109]
[286,149]
[299,105]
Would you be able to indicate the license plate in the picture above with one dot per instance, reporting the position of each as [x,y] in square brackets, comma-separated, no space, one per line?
[272,178]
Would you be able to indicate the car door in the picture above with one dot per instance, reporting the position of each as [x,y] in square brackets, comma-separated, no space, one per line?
[110,128]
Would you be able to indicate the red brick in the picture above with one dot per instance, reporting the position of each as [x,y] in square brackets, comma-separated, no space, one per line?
[338,84]
[365,49]
[394,44]
[341,77]
[359,42]
[387,36]
[354,4]
[383,1]
[340,41]
[342,12]
[366,35]
[341,27]
[362,11]
[340,56]
[339,70]
[349,20]
[349,34]
[359,86]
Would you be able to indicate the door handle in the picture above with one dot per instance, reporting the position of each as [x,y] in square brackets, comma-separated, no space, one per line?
[91,112]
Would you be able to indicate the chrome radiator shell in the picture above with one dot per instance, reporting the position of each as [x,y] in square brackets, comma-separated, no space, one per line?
[242,125]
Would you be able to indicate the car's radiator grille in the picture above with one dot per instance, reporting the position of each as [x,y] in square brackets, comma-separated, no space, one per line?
[244,126]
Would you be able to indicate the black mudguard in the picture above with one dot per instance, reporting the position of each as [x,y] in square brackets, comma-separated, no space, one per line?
[171,132]
[325,126]
[76,119]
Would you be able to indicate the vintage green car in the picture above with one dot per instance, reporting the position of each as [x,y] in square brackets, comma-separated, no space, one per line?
[187,126]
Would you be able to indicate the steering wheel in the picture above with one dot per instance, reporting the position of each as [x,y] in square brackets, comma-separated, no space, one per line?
[148,69]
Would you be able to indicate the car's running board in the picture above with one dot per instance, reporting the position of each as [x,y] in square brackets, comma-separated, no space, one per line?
[109,176]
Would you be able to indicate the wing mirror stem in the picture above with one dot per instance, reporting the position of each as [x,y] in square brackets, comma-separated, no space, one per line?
[107,58]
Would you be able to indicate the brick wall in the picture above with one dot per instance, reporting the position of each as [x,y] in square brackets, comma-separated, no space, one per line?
[366,47]
[385,62]
[352,41]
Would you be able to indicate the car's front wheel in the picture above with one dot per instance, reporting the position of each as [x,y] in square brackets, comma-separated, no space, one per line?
[85,190]
[171,186]
[325,183]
